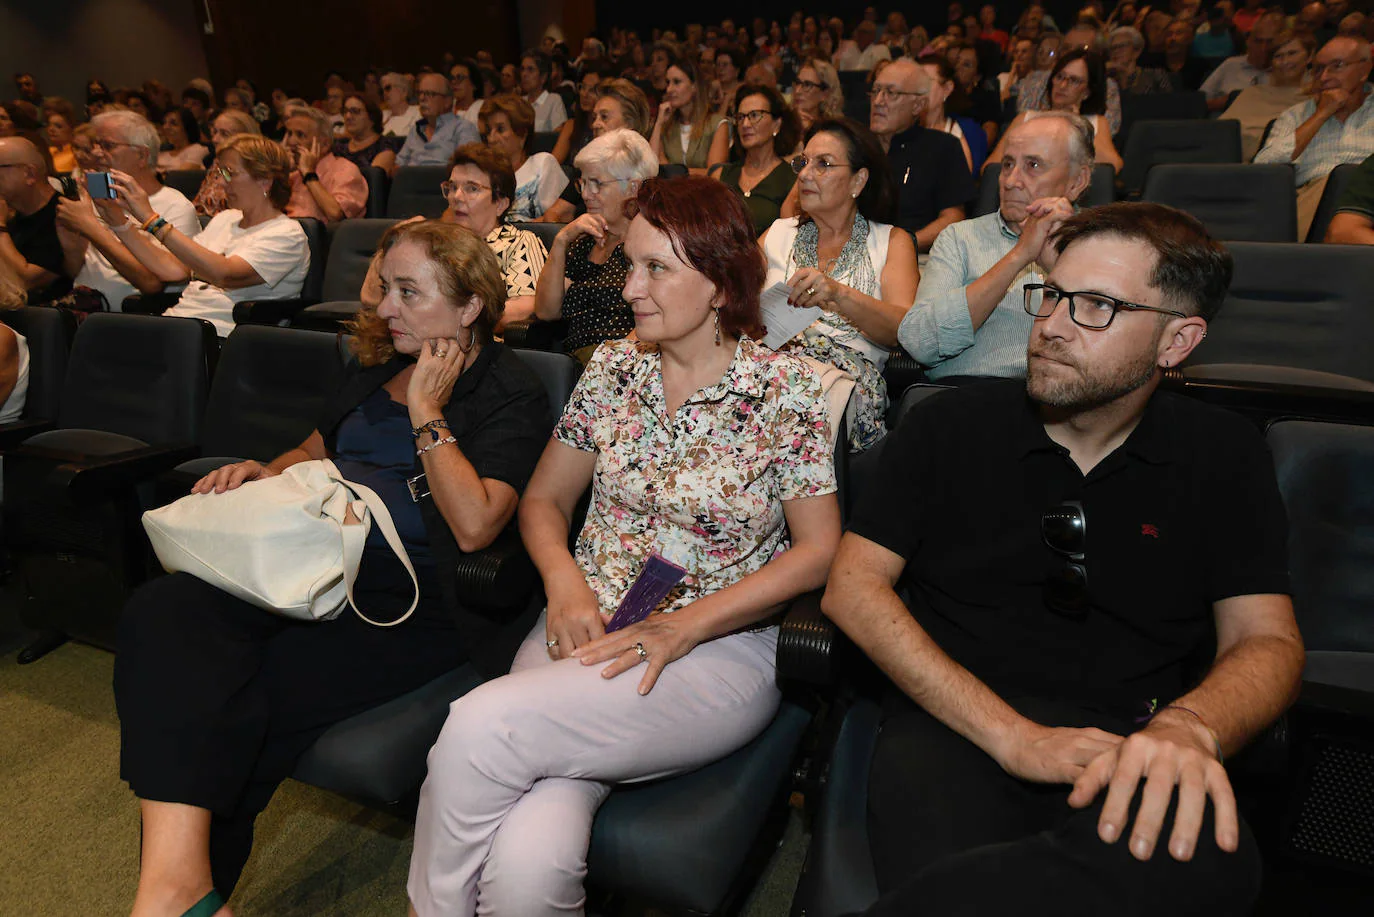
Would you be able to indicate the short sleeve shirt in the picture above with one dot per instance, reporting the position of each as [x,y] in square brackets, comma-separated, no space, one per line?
[593,305]
[538,183]
[276,249]
[35,236]
[1184,513]
[931,175]
[702,486]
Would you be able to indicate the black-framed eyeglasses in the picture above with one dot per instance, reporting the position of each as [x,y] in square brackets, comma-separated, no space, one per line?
[1087,310]
[1064,530]
[877,92]
[810,84]
[823,166]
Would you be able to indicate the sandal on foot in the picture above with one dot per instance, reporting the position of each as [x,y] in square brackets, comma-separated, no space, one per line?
[207,906]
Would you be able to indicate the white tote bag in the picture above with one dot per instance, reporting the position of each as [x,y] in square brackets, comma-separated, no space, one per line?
[280,543]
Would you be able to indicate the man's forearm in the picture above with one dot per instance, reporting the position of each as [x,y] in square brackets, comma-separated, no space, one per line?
[986,293]
[1306,132]
[1248,687]
[326,201]
[873,616]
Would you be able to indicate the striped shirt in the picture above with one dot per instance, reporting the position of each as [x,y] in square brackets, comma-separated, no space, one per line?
[1334,143]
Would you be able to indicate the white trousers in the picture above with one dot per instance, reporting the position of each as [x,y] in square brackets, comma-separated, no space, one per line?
[525,760]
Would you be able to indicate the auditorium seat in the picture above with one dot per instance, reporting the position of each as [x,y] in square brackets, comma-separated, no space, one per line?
[269,389]
[1336,183]
[1240,202]
[415,192]
[1159,106]
[132,404]
[1101,188]
[49,334]
[1155,142]
[187,181]
[1295,314]
[546,232]
[543,142]
[1326,476]
[377,182]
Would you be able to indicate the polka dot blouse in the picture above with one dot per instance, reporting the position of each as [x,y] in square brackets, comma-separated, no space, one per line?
[593,305]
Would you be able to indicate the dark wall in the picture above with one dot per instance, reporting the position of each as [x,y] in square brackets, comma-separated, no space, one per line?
[123,42]
[293,43]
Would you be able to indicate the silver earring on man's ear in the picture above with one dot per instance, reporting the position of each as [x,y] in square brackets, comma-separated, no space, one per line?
[716,313]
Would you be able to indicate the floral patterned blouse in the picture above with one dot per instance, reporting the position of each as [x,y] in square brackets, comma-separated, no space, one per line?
[704,486]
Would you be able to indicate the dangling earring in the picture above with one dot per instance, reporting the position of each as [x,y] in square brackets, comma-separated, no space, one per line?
[472,339]
[716,314]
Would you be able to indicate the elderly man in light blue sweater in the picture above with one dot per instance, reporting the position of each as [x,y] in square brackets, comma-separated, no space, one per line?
[969,318]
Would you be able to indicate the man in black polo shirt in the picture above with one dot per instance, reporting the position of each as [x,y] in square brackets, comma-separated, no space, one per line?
[29,243]
[931,174]
[1085,559]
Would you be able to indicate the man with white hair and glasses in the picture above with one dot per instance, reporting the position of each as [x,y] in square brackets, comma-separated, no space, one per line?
[93,232]
[968,318]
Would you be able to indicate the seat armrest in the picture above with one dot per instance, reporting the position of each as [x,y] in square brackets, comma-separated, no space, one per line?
[12,434]
[268,311]
[499,578]
[807,639]
[149,303]
[536,334]
[92,477]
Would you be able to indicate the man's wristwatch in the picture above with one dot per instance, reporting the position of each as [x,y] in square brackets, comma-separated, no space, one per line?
[310,176]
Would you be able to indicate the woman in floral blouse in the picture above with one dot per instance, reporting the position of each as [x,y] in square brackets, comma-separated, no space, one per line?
[701,447]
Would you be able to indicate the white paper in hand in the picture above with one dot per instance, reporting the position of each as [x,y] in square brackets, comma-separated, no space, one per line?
[783,322]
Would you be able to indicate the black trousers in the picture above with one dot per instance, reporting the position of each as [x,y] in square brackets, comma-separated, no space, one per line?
[952,833]
[218,699]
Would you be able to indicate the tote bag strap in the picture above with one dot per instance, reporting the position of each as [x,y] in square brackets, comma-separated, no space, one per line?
[355,537]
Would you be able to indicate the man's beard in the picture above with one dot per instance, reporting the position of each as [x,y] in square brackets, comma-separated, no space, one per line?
[1086,390]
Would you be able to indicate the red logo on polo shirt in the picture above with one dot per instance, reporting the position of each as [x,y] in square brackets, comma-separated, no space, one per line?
[1147,528]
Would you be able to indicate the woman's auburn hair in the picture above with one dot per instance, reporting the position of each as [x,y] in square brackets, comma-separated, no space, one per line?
[712,232]
[465,267]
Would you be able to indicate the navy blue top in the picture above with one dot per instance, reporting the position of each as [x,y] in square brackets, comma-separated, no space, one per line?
[374,448]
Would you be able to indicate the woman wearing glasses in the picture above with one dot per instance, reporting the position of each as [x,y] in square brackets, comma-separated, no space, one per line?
[211,198]
[816,92]
[842,257]
[767,132]
[1078,84]
[585,274]
[250,251]
[364,144]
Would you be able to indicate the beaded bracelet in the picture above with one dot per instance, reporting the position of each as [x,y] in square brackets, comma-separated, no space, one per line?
[432,428]
[436,444]
[155,226]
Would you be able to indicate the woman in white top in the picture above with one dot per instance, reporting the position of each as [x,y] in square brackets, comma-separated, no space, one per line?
[184,150]
[941,88]
[507,123]
[250,251]
[838,257]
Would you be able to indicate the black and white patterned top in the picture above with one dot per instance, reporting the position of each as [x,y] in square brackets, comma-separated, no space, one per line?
[521,254]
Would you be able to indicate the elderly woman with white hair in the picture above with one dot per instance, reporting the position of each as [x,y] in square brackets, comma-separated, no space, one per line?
[586,269]
[326,187]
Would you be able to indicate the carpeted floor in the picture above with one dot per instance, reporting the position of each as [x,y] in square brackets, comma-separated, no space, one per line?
[69,829]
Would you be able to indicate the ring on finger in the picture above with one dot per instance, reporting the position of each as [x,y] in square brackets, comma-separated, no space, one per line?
[810,291]
[639,648]
[551,644]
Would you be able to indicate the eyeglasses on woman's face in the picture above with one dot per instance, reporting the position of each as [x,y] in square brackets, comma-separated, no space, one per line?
[810,85]
[467,189]
[822,166]
[753,117]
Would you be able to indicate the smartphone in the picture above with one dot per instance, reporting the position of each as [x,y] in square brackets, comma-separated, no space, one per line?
[69,188]
[99,187]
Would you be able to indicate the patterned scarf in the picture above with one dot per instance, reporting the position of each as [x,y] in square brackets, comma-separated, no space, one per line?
[853,264]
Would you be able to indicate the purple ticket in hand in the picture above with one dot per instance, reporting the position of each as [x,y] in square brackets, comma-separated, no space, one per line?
[655,581]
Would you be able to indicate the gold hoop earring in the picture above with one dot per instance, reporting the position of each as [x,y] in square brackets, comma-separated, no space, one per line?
[472,341]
